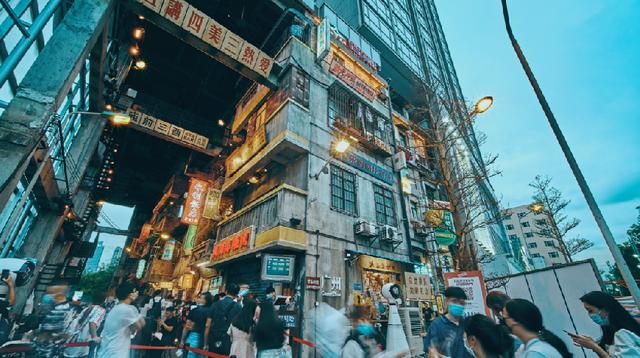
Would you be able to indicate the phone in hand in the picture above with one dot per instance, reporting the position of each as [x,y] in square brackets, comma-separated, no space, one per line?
[5,274]
[570,334]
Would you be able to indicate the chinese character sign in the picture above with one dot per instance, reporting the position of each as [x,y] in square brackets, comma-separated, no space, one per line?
[212,204]
[472,283]
[163,129]
[190,239]
[417,287]
[167,253]
[233,244]
[194,202]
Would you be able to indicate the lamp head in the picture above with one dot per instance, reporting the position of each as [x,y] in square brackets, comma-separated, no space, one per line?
[483,104]
[341,146]
[536,208]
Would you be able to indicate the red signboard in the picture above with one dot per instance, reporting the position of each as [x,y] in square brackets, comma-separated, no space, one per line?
[338,68]
[194,202]
[233,244]
[312,283]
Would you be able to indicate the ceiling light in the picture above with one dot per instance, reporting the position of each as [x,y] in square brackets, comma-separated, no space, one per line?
[140,65]
[138,33]
[254,180]
[134,50]
[108,107]
[220,122]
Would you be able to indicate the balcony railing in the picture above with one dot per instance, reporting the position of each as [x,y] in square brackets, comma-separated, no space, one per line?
[275,208]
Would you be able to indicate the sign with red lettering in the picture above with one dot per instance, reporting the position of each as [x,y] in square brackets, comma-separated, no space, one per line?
[194,202]
[351,79]
[233,244]
[472,283]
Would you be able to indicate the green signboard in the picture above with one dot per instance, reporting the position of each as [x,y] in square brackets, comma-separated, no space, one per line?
[190,239]
[277,267]
[444,234]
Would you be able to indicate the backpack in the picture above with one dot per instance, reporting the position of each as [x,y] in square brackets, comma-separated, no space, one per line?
[220,323]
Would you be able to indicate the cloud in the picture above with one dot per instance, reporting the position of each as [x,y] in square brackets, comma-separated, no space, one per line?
[624,192]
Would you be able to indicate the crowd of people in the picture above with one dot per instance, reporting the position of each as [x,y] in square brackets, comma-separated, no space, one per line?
[239,324]
[517,330]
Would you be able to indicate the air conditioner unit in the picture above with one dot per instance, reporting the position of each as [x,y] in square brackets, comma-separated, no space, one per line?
[390,234]
[365,228]
[413,328]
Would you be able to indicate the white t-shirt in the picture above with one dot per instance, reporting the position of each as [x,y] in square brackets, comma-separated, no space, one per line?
[116,335]
[536,348]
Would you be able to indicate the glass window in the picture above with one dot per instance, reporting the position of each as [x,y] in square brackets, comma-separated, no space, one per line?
[554,254]
[528,234]
[541,222]
[513,237]
[509,227]
[402,140]
[521,215]
[525,224]
[343,190]
[535,255]
[549,243]
[385,207]
[532,245]
[414,210]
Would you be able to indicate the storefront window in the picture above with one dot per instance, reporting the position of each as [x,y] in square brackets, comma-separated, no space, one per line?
[343,190]
[385,208]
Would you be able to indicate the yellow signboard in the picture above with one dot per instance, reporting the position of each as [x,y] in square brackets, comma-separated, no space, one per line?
[243,154]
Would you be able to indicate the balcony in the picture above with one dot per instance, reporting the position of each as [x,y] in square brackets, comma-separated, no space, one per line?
[283,137]
[276,220]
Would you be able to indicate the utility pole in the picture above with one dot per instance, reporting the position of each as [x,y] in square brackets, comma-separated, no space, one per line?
[582,183]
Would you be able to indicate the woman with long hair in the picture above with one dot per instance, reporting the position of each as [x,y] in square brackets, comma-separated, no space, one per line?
[269,334]
[486,338]
[240,330]
[620,331]
[525,321]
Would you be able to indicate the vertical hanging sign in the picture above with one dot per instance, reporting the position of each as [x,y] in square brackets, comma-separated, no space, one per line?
[167,254]
[323,41]
[194,201]
[212,204]
[190,239]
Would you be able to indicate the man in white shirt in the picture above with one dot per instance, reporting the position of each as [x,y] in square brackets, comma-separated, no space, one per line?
[123,320]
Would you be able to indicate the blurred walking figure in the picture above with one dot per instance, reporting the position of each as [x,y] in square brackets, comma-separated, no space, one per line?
[52,333]
[620,331]
[221,315]
[241,331]
[86,329]
[363,340]
[525,321]
[123,320]
[446,333]
[193,333]
[269,334]
[486,339]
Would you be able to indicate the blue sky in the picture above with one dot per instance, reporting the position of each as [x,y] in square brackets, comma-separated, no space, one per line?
[585,56]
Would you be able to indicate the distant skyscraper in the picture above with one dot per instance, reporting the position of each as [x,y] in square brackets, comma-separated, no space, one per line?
[94,261]
[115,259]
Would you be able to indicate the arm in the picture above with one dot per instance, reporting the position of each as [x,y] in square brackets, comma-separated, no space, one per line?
[165,326]
[589,343]
[137,325]
[93,331]
[12,292]
[207,328]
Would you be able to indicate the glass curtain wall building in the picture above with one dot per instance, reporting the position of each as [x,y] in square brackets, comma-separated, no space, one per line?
[18,51]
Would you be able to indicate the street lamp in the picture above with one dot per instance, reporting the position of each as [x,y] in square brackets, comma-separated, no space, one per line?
[536,207]
[114,117]
[483,104]
[627,276]
[339,147]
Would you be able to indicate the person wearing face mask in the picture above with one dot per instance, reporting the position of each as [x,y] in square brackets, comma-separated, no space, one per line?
[524,320]
[496,300]
[193,333]
[123,320]
[446,333]
[486,339]
[620,331]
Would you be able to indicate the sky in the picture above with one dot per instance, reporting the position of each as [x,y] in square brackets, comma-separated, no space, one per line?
[585,56]
[120,216]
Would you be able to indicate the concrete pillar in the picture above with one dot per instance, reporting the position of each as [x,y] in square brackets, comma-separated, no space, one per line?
[45,86]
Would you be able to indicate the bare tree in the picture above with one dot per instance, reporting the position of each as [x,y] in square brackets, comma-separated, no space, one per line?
[557,224]
[461,173]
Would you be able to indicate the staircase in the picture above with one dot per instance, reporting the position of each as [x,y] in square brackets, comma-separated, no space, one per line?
[47,275]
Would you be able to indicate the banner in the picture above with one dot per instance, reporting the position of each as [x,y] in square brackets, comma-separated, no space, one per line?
[417,287]
[194,202]
[472,283]
[212,204]
[190,239]
[233,244]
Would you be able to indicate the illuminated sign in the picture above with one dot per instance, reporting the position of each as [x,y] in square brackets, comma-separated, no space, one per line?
[141,266]
[212,204]
[190,239]
[247,104]
[339,69]
[277,267]
[366,166]
[145,232]
[167,130]
[323,44]
[194,202]
[169,246]
[210,31]
[250,147]
[233,244]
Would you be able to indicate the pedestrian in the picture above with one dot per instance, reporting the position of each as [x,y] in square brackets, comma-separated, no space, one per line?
[241,331]
[486,339]
[363,340]
[120,323]
[165,334]
[87,328]
[155,305]
[53,331]
[271,294]
[496,301]
[620,331]
[446,333]
[269,334]
[193,332]
[525,321]
[220,318]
